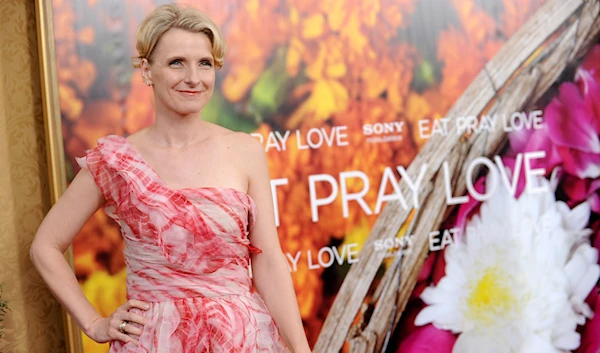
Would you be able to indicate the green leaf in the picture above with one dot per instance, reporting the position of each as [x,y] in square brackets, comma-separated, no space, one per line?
[424,76]
[427,72]
[221,112]
[3,308]
[270,90]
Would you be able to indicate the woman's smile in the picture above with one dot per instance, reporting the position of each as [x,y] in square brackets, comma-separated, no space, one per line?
[189,93]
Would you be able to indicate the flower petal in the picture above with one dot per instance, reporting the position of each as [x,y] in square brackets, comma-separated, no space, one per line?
[537,344]
[474,342]
[570,123]
[579,163]
[590,339]
[426,316]
[428,339]
[594,201]
[578,217]
[590,66]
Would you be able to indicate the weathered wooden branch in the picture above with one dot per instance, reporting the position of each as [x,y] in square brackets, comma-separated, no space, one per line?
[508,83]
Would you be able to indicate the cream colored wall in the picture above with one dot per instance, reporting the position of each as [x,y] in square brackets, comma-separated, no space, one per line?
[34,324]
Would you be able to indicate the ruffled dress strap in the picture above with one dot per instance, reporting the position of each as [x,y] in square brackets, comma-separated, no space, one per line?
[134,192]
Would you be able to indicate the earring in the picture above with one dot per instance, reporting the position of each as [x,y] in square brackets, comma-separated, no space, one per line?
[147,83]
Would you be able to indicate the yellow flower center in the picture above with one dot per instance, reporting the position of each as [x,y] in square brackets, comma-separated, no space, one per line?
[491,297]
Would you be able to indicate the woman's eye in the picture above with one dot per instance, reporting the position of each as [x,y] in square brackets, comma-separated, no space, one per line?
[206,63]
[175,62]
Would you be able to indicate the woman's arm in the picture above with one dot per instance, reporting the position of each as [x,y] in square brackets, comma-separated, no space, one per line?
[57,231]
[270,269]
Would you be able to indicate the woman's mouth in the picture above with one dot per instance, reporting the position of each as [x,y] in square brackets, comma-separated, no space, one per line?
[190,93]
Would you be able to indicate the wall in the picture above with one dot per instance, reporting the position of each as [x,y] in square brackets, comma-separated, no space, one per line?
[34,323]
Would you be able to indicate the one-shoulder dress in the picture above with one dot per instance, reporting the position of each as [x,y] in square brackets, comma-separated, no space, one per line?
[187,253]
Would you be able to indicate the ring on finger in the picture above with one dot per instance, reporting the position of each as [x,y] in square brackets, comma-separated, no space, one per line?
[122,327]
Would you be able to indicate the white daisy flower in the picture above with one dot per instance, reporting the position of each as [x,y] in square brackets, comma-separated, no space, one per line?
[518,279]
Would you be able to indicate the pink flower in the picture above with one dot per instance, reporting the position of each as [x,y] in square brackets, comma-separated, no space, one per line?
[597,241]
[580,190]
[407,326]
[574,119]
[529,141]
[572,126]
[570,135]
[590,338]
[428,339]
[467,209]
[589,71]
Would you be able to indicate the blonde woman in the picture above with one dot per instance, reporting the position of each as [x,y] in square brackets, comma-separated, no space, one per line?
[194,205]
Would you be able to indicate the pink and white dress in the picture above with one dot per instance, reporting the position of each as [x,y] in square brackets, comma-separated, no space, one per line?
[187,253]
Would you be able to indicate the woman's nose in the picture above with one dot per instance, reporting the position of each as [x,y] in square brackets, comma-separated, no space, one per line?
[192,76]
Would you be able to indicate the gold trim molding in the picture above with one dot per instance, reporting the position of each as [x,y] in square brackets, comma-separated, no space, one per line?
[54,140]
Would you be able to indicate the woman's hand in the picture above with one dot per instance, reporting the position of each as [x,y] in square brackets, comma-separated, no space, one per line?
[121,325]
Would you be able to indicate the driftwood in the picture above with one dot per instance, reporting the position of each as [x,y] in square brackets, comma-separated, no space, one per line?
[508,83]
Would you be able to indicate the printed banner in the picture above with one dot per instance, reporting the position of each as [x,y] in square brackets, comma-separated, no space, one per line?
[345,96]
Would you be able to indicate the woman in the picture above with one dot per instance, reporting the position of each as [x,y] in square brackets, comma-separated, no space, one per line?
[194,204]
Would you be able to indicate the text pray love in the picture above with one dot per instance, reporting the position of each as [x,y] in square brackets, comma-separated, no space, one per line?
[498,176]
[472,125]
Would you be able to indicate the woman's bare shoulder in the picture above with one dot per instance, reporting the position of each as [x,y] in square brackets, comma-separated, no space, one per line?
[139,137]
[238,142]
[241,147]
[244,144]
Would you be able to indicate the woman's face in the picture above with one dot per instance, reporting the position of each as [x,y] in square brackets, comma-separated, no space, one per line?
[182,72]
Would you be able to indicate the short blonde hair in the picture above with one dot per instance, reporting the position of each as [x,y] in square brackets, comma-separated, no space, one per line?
[165,17]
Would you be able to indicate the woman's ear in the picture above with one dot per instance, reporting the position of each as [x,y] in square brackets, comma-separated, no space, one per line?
[146,72]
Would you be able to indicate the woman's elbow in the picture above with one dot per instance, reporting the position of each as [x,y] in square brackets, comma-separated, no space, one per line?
[38,250]
[35,252]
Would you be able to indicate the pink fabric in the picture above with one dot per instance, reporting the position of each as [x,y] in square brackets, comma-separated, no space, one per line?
[187,253]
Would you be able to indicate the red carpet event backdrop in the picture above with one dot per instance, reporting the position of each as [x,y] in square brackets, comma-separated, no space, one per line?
[344,96]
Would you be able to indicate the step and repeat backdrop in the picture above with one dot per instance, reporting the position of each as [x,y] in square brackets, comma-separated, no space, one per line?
[435,163]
